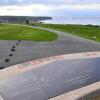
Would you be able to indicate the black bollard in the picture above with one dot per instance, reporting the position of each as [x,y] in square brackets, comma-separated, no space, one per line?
[12,49]
[13,46]
[19,40]
[17,43]
[1,68]
[10,55]
[7,60]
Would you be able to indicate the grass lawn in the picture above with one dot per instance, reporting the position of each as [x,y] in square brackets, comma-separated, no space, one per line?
[18,32]
[86,31]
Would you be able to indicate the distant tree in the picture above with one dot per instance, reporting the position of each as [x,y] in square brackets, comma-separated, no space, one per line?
[27,22]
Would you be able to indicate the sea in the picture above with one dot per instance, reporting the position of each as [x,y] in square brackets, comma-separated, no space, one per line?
[75,20]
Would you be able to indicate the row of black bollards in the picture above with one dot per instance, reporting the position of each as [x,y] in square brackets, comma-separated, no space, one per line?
[13,49]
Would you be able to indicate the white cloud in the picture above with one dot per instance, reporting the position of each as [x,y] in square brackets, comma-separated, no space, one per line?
[36,9]
[81,7]
[44,10]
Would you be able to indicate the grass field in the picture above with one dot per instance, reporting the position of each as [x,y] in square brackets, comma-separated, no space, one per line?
[86,31]
[18,32]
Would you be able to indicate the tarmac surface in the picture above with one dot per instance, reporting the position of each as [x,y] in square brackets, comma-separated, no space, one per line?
[30,50]
[45,79]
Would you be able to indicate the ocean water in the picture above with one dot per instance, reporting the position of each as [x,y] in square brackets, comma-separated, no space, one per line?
[75,20]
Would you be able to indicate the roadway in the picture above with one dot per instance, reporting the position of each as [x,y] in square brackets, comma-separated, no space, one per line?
[29,50]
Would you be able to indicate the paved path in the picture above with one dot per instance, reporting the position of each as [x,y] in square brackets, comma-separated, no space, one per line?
[29,50]
[33,79]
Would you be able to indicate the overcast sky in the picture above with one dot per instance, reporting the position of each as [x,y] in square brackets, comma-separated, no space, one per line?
[50,7]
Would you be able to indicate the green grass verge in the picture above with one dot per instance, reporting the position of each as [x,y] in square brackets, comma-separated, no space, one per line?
[19,32]
[86,31]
